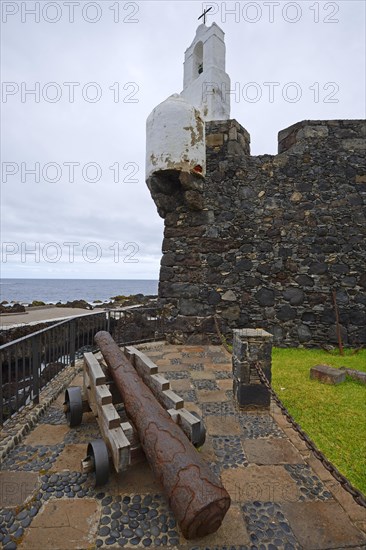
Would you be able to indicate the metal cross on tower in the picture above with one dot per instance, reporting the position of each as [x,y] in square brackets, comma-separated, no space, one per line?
[204,15]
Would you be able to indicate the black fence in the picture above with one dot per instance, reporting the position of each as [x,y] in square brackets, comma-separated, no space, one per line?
[29,363]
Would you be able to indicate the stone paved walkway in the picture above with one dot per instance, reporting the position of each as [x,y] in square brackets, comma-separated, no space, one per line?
[282,497]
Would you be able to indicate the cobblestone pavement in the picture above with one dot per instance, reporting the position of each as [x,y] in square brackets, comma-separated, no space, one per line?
[282,497]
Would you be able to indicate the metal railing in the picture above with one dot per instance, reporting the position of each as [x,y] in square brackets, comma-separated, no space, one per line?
[29,363]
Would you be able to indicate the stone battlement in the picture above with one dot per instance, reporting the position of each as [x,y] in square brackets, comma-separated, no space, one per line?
[343,135]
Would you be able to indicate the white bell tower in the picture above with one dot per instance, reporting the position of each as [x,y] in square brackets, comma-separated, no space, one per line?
[206,85]
[175,129]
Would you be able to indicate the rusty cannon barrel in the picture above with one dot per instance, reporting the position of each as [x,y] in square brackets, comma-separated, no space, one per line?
[194,492]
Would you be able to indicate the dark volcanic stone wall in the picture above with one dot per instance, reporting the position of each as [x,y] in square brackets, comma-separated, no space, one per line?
[270,238]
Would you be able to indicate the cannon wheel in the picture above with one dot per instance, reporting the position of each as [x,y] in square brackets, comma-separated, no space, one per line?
[202,436]
[73,406]
[98,454]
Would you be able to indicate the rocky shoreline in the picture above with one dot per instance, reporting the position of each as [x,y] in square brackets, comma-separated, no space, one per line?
[115,302]
[17,324]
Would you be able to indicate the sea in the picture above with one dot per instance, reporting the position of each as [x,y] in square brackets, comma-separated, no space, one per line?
[51,291]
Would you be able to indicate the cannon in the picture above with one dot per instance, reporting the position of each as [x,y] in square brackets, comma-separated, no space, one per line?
[158,425]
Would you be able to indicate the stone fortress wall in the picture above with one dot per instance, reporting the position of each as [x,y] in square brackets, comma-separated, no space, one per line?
[262,241]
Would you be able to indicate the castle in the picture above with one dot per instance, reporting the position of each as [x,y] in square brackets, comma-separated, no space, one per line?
[270,241]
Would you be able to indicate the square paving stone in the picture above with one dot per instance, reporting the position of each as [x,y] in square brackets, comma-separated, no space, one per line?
[227,366]
[229,452]
[167,366]
[63,524]
[70,458]
[181,385]
[222,425]
[16,487]
[275,451]
[294,437]
[262,483]
[225,385]
[138,478]
[168,348]
[232,533]
[319,525]
[46,434]
[206,396]
[268,527]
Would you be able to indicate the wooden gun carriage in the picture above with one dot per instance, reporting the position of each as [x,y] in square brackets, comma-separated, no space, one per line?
[153,422]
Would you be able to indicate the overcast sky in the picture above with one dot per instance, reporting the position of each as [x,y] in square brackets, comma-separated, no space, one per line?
[123,58]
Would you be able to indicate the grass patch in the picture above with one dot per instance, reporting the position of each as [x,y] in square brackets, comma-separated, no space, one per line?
[334,417]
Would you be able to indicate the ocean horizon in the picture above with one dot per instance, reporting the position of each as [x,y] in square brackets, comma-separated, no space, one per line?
[52,291]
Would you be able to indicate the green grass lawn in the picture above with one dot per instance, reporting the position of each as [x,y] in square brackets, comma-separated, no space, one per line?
[334,417]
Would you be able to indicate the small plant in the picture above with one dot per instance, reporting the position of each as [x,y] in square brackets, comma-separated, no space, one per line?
[338,326]
[224,342]
[37,303]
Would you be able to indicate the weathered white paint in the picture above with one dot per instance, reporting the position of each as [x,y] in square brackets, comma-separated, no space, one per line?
[208,90]
[175,138]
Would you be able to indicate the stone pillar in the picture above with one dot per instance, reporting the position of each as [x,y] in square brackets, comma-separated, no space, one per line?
[249,347]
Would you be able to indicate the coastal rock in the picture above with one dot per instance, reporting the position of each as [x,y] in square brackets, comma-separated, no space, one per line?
[82,304]
[15,308]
